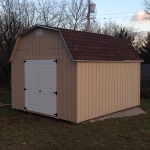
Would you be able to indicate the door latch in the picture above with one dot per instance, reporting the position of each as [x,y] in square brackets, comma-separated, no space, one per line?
[55,93]
[55,114]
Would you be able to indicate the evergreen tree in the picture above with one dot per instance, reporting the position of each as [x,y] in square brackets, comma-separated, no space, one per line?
[124,33]
[145,50]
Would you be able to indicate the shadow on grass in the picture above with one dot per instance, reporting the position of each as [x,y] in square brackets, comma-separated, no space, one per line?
[5,96]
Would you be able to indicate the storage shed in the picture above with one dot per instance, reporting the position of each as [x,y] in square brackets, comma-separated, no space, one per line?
[73,75]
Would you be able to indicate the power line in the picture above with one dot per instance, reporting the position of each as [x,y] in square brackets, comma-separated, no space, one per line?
[115,17]
[120,17]
[117,13]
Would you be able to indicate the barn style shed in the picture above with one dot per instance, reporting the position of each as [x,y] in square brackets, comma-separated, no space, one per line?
[73,75]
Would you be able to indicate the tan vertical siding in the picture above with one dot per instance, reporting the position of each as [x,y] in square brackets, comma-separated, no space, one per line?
[104,88]
[48,46]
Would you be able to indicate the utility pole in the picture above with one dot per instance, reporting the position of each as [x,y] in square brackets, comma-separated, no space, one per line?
[91,9]
[88,16]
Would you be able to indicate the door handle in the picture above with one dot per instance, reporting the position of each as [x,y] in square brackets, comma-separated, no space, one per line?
[39,90]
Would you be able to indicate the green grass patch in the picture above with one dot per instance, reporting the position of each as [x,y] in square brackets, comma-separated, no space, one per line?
[145,105]
[24,131]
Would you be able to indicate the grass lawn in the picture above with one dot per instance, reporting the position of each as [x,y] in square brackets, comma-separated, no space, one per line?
[23,131]
[5,96]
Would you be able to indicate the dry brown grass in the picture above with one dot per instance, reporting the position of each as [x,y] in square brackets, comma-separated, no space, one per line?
[23,131]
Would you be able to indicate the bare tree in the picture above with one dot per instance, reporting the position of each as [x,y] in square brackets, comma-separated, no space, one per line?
[64,14]
[138,43]
[109,27]
[15,17]
[96,27]
[145,49]
[47,12]
[61,14]
[147,9]
[75,14]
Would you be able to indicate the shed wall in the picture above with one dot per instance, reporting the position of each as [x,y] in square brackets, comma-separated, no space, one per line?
[50,45]
[104,88]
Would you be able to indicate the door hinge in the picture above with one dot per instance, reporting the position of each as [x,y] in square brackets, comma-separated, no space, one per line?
[55,61]
[24,61]
[25,107]
[55,93]
[55,114]
[25,89]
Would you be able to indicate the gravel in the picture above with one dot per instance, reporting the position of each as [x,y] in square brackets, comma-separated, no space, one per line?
[124,113]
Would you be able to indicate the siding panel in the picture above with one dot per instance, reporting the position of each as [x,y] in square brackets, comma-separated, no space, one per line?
[86,92]
[111,87]
[97,91]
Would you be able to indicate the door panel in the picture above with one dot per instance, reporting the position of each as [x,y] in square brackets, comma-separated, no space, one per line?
[48,87]
[40,82]
[32,85]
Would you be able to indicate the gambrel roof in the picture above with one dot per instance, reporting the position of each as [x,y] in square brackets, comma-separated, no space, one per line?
[91,46]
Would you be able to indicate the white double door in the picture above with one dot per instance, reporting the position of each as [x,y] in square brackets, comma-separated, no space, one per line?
[40,86]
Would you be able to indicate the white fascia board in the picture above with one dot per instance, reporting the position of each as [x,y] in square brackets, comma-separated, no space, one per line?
[36,27]
[108,61]
[66,45]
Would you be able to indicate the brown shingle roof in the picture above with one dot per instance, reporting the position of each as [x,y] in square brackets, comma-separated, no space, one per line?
[91,46]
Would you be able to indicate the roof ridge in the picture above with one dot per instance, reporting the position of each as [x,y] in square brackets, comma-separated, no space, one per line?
[83,32]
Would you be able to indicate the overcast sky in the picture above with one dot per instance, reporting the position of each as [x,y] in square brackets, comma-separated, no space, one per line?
[126,12]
